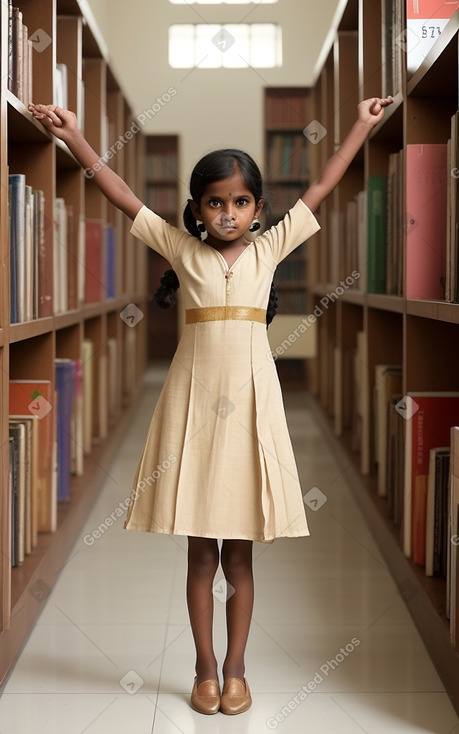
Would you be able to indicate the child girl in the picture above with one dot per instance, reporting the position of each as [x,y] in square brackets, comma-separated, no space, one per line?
[218,461]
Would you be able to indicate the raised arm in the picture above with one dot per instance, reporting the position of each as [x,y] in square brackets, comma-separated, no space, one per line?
[63,124]
[371,111]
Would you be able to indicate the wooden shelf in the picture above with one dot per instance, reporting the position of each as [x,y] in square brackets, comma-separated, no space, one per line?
[29,349]
[358,330]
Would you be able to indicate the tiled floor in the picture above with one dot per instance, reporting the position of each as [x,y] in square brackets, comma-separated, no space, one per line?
[332,647]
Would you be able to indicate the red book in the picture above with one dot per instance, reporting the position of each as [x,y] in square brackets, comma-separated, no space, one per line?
[94,285]
[426,198]
[36,397]
[429,418]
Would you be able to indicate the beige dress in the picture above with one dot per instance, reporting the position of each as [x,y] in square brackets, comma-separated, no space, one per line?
[218,460]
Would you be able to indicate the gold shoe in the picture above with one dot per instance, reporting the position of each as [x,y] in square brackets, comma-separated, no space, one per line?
[236,696]
[205,698]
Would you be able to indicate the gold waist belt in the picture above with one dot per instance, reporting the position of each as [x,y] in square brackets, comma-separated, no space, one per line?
[224,313]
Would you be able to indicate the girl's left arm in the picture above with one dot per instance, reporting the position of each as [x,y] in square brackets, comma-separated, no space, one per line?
[371,111]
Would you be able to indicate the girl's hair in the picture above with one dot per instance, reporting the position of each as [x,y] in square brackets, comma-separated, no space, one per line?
[212,167]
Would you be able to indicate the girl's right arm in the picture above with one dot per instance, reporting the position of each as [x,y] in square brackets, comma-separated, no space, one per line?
[62,123]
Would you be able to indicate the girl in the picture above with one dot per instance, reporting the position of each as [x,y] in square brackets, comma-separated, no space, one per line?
[218,461]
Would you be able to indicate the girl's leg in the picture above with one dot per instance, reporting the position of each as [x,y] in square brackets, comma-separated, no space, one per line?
[202,566]
[236,560]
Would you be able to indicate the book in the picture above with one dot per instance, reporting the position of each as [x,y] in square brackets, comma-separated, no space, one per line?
[27,507]
[388,382]
[94,246]
[453,535]
[76,424]
[437,512]
[429,417]
[65,381]
[395,463]
[376,233]
[60,256]
[426,189]
[17,218]
[88,392]
[17,492]
[35,397]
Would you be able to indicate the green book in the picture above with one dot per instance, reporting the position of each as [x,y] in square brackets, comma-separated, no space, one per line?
[376,233]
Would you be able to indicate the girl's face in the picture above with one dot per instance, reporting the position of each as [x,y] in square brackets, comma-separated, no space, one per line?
[227,209]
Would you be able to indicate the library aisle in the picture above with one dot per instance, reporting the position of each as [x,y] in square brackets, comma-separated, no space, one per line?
[332,646]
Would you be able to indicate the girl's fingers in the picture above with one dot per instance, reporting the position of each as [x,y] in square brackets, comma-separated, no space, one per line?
[47,113]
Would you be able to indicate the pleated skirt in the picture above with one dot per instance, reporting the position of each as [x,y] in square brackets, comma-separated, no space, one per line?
[218,460]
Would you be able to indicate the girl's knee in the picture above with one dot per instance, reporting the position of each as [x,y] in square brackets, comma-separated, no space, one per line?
[203,556]
[236,558]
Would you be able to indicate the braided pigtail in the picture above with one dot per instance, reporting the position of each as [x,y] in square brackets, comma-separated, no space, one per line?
[272,305]
[189,220]
[165,297]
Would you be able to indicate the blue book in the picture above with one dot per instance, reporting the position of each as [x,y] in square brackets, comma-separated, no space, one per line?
[65,386]
[17,190]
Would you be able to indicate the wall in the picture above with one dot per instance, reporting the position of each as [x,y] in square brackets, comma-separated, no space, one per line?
[212,108]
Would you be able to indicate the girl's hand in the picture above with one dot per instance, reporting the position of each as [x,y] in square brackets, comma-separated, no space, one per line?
[371,111]
[62,123]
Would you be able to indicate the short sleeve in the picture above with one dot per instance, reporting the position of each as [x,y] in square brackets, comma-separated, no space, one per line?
[297,226]
[158,234]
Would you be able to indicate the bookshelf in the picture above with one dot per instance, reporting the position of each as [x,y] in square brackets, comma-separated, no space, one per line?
[63,319]
[375,320]
[161,175]
[287,177]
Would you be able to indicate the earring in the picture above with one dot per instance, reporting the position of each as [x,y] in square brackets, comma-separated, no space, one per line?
[202,228]
[254,226]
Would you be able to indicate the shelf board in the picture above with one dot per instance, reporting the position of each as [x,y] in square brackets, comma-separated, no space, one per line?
[438,74]
[22,125]
[439,310]
[289,178]
[385,302]
[29,329]
[353,295]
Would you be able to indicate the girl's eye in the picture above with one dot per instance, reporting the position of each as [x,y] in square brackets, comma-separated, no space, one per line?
[214,202]
[242,202]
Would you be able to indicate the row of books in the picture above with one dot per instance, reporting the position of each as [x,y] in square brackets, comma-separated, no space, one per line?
[20,55]
[369,235]
[287,155]
[51,429]
[416,436]
[161,166]
[288,106]
[83,256]
[162,199]
[413,438]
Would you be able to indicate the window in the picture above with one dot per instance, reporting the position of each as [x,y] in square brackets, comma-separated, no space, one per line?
[210,46]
